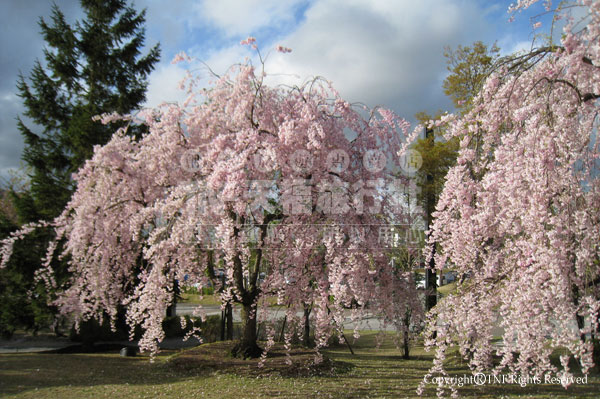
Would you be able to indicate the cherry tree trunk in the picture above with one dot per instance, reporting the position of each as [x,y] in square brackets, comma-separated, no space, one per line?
[229,321]
[406,354]
[307,310]
[248,346]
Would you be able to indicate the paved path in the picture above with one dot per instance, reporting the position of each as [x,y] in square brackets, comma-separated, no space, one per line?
[33,344]
[53,343]
[275,313]
[42,343]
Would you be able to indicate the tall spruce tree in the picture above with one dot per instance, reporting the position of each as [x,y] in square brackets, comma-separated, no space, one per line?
[91,67]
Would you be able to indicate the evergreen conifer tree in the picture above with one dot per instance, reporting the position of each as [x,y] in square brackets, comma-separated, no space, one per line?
[91,67]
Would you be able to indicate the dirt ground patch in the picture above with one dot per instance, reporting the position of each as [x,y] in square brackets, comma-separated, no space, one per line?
[216,358]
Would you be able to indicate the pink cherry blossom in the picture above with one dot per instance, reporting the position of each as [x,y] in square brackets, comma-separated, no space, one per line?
[181,201]
[283,49]
[519,216]
[248,41]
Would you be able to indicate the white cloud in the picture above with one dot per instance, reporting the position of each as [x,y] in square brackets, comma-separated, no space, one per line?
[243,17]
[164,85]
[220,60]
[170,24]
[377,52]
[517,47]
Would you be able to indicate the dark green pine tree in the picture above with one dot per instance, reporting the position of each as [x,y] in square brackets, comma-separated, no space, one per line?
[91,67]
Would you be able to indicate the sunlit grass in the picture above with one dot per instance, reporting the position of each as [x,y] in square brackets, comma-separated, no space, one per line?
[448,288]
[206,300]
[370,373]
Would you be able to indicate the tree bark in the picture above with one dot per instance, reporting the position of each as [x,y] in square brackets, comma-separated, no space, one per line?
[307,310]
[229,320]
[430,283]
[248,290]
[406,345]
[248,346]
[223,315]
[406,334]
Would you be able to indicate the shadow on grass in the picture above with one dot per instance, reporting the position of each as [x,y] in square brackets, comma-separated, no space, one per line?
[369,373]
[21,372]
[96,348]
[216,357]
[26,373]
[387,374]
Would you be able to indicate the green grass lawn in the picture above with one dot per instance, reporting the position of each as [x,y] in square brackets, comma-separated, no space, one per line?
[206,300]
[447,289]
[370,373]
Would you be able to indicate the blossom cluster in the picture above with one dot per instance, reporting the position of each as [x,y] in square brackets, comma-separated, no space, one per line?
[386,236]
[246,155]
[298,196]
[336,161]
[519,216]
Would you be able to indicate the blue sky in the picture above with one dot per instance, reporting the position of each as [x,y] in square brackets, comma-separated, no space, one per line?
[379,52]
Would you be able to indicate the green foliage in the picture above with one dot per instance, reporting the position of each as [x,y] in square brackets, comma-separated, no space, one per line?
[18,307]
[438,156]
[204,291]
[92,67]
[92,331]
[12,293]
[468,67]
